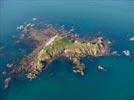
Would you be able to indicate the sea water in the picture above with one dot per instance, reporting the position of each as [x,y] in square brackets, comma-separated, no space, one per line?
[114,18]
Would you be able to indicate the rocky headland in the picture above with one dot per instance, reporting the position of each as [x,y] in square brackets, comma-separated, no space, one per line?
[51,43]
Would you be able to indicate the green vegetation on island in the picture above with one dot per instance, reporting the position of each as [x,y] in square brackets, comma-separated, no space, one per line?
[60,45]
[51,43]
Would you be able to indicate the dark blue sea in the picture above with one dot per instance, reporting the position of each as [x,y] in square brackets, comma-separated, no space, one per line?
[114,18]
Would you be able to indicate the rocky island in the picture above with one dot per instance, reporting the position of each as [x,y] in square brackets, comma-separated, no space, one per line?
[51,43]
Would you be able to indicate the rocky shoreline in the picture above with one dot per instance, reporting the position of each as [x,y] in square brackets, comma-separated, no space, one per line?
[47,49]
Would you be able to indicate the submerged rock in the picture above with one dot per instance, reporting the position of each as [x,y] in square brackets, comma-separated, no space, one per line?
[4,72]
[109,42]
[34,19]
[22,36]
[115,53]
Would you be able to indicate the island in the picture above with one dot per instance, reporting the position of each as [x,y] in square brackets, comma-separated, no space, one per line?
[51,43]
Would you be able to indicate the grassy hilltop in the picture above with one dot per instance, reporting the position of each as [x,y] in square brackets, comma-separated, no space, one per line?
[60,45]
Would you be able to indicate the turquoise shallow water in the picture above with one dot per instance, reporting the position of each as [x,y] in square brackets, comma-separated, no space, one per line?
[114,18]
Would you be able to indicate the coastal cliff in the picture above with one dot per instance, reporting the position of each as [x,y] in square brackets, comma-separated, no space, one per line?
[52,43]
